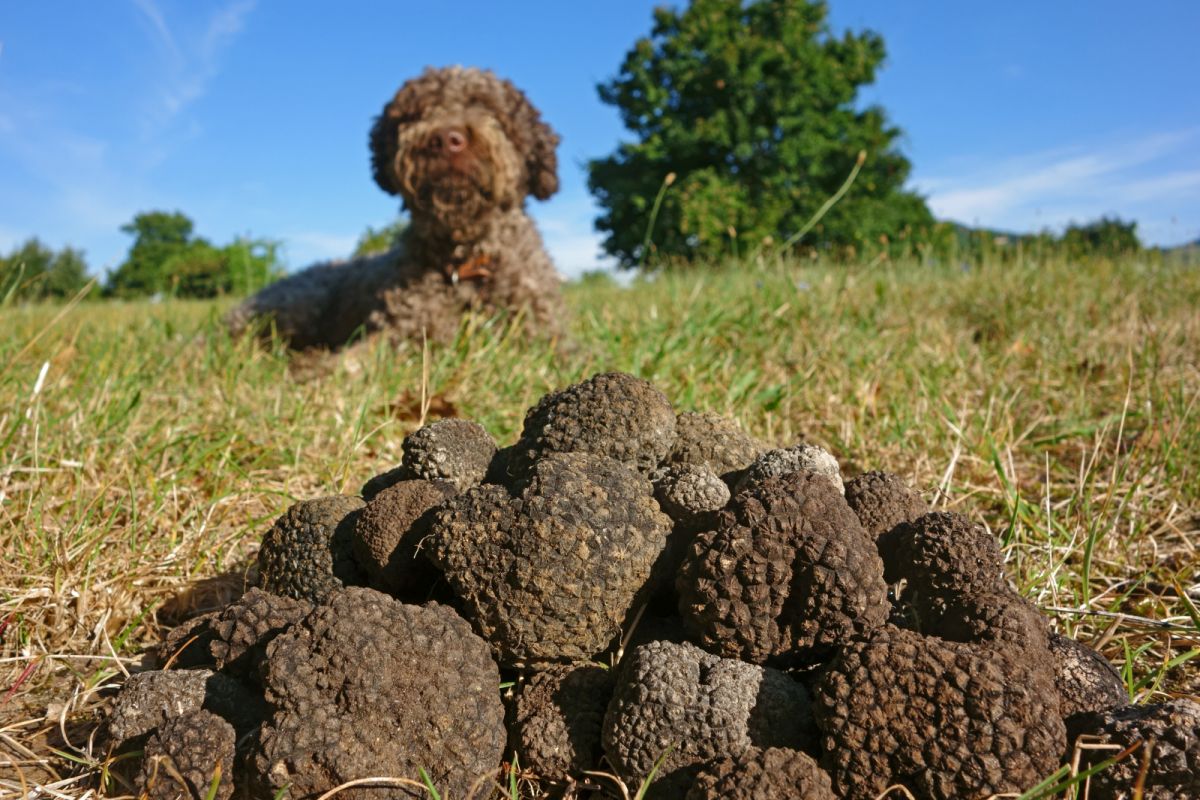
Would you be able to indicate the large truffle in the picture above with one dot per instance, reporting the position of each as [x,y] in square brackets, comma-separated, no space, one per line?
[788,573]
[557,719]
[946,720]
[611,414]
[1169,752]
[307,552]
[388,534]
[454,450]
[366,685]
[698,706]
[776,772]
[882,501]
[184,757]
[942,553]
[1086,681]
[550,575]
[783,461]
[709,440]
[242,631]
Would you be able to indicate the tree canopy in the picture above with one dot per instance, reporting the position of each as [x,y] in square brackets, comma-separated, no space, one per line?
[752,105]
[33,271]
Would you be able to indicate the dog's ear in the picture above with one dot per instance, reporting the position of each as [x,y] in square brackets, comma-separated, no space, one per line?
[536,139]
[384,144]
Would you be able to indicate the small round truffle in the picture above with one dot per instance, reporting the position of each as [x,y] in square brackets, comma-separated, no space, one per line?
[705,439]
[307,553]
[688,493]
[611,414]
[185,755]
[366,685]
[187,645]
[557,719]
[388,533]
[700,707]
[798,458]
[942,553]
[244,629]
[788,574]
[1170,751]
[946,720]
[1086,681]
[383,480]
[454,450]
[148,699]
[775,772]
[550,575]
[882,501]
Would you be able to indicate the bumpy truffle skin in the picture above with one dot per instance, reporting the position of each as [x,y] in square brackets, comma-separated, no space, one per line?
[688,493]
[557,719]
[148,699]
[454,450]
[307,552]
[1174,761]
[1086,681]
[798,458]
[187,645]
[550,575]
[244,629]
[788,573]
[611,414]
[389,530]
[776,772]
[383,480]
[947,720]
[882,501]
[943,553]
[194,747]
[700,706]
[366,685]
[1002,618]
[705,439]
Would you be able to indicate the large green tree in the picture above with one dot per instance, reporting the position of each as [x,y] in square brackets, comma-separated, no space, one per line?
[33,271]
[752,107]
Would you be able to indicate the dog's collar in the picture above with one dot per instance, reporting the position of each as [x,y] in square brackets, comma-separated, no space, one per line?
[475,268]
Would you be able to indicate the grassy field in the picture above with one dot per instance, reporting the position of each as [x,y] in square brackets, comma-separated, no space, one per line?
[144,454]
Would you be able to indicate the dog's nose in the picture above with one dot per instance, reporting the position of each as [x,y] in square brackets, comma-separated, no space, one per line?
[452,140]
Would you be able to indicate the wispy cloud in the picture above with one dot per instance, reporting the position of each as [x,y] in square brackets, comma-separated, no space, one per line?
[1053,188]
[573,244]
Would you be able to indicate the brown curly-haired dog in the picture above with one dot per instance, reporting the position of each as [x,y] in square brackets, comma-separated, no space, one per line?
[463,148]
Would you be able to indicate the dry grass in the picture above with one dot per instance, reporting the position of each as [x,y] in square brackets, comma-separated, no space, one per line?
[143,453]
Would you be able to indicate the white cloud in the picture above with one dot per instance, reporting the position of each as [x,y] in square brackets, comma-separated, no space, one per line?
[566,227]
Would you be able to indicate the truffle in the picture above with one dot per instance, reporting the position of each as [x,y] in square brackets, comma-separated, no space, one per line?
[699,706]
[550,575]
[611,414]
[366,685]
[187,645]
[788,573]
[148,699]
[942,553]
[185,755]
[946,720]
[775,772]
[557,719]
[244,629]
[307,552]
[1086,681]
[383,480]
[882,501]
[689,494]
[998,617]
[454,450]
[784,461]
[388,533]
[705,439]
[1169,751]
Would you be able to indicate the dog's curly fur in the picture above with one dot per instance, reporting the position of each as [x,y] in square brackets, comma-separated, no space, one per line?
[462,148]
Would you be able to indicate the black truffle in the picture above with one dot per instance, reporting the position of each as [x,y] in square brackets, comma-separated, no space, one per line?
[776,772]
[1086,681]
[709,440]
[786,460]
[187,645]
[1169,751]
[388,534]
[946,720]
[788,573]
[882,501]
[185,755]
[557,719]
[454,450]
[148,699]
[700,707]
[942,553]
[550,575]
[244,629]
[307,552]
[366,685]
[611,414]
[690,495]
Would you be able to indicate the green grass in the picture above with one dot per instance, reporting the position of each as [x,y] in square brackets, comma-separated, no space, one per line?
[144,453]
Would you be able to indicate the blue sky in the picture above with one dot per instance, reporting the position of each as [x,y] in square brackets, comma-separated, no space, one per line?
[252,117]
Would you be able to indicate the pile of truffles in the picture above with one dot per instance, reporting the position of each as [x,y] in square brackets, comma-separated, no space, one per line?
[628,590]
